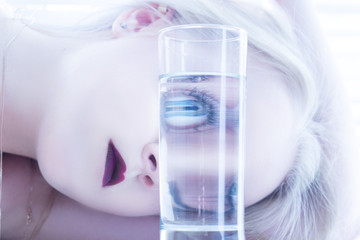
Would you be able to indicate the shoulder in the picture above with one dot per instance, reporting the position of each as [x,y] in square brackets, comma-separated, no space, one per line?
[65,218]
[23,188]
[16,176]
[15,187]
[71,220]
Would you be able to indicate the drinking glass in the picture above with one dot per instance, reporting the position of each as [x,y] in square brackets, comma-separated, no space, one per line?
[202,129]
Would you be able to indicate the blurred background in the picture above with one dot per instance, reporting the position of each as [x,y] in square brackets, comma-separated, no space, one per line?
[340,21]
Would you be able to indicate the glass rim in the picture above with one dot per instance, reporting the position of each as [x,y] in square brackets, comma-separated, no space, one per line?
[215,74]
[242,32]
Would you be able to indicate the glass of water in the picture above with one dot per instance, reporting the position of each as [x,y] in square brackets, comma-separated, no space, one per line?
[202,132]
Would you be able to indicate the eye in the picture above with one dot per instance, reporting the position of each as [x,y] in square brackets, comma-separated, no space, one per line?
[181,112]
[187,110]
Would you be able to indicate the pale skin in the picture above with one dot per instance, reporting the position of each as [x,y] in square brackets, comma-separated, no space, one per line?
[16,181]
[66,123]
[38,137]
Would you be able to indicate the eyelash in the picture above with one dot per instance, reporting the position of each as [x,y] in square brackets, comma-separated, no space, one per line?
[204,98]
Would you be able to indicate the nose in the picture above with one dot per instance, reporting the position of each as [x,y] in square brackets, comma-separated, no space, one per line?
[150,174]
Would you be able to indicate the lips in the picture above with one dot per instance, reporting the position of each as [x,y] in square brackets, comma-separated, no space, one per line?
[115,167]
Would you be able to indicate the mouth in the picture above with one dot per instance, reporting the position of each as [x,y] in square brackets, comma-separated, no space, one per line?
[115,167]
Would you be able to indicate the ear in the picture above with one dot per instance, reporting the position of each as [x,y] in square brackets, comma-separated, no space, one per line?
[141,19]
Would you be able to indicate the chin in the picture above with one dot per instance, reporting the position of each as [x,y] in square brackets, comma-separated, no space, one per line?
[134,212]
[135,208]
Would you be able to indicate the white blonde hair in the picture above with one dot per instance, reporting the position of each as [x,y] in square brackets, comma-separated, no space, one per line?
[304,205]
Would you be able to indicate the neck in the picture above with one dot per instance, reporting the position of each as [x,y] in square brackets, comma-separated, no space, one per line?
[30,70]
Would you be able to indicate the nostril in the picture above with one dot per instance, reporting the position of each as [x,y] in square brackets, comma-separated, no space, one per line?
[153,161]
[148,181]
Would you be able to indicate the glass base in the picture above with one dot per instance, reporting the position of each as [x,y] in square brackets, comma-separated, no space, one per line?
[202,233]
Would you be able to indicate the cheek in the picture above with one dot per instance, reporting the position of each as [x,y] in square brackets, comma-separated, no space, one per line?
[271,138]
[269,157]
[73,139]
[91,109]
[66,152]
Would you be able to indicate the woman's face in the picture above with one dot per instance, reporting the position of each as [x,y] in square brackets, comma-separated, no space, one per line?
[99,140]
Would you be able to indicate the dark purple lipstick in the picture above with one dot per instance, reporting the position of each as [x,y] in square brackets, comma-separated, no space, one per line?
[115,166]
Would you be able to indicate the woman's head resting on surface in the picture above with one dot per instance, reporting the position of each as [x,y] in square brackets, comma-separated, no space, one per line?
[99,141]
